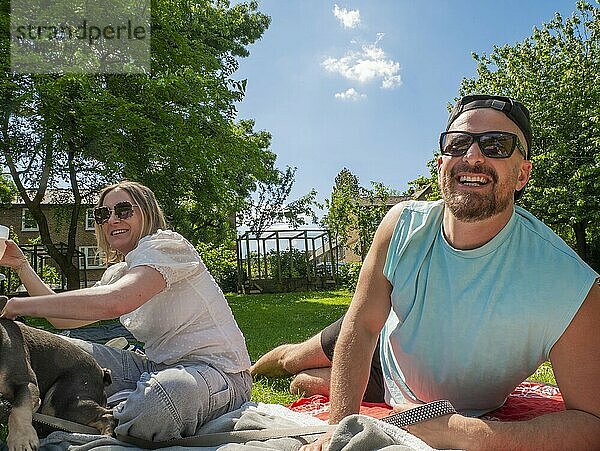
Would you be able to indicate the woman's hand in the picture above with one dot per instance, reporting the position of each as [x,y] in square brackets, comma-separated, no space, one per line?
[8,310]
[13,256]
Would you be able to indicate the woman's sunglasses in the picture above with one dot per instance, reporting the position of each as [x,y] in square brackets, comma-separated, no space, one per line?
[493,144]
[123,210]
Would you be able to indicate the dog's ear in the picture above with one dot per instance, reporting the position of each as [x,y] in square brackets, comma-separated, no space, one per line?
[106,377]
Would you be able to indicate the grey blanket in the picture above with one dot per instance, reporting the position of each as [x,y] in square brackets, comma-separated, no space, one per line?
[354,433]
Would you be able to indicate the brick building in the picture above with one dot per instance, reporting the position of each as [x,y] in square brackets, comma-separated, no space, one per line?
[56,205]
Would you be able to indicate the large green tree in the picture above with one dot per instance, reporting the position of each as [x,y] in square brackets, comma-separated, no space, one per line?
[173,129]
[556,73]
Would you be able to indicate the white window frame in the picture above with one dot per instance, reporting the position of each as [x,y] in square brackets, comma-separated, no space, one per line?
[92,252]
[89,219]
[24,228]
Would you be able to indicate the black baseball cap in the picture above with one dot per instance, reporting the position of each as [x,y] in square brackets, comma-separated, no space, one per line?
[513,109]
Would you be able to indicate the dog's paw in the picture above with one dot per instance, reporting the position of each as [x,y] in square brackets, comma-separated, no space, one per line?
[105,424]
[23,439]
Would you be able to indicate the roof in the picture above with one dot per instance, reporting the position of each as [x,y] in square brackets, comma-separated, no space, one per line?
[393,200]
[60,196]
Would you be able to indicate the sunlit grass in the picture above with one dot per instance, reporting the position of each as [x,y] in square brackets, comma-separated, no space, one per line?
[268,320]
[544,374]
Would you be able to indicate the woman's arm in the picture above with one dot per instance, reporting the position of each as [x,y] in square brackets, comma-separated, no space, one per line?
[80,307]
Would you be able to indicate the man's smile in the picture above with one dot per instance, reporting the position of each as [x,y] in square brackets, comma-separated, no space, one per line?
[473,180]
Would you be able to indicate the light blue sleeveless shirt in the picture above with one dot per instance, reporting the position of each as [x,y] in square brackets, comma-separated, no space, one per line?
[469,326]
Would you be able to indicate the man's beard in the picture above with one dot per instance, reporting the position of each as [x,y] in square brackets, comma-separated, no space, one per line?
[470,206]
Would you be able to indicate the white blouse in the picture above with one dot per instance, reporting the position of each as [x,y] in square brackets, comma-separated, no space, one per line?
[190,319]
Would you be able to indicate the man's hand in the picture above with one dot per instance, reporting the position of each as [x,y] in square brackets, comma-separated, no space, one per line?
[320,445]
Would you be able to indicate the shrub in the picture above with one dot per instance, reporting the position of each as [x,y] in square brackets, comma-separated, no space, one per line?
[292,263]
[348,275]
[221,261]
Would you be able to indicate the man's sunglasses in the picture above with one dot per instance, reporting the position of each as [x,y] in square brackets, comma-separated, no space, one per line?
[123,210]
[494,144]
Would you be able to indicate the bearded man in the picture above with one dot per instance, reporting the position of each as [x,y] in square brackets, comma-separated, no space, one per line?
[465,297]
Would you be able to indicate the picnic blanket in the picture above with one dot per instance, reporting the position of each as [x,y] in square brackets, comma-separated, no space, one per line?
[354,433]
[528,400]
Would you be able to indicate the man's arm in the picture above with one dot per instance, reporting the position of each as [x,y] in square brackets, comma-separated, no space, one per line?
[576,362]
[366,315]
[362,323]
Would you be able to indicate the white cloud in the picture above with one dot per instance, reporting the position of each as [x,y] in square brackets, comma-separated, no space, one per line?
[368,64]
[350,95]
[348,18]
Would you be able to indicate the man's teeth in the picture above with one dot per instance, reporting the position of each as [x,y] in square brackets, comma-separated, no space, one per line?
[473,181]
[117,232]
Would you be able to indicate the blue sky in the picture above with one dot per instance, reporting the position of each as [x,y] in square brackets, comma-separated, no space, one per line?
[365,84]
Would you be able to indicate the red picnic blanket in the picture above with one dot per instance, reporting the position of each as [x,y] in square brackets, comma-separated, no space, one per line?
[528,400]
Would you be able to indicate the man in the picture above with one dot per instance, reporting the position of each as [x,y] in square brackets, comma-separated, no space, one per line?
[469,295]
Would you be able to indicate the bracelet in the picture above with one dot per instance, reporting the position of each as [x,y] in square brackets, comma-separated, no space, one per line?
[417,414]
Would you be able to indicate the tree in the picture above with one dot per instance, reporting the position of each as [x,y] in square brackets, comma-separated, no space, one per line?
[270,205]
[556,73]
[371,208]
[172,129]
[354,209]
[422,182]
[340,207]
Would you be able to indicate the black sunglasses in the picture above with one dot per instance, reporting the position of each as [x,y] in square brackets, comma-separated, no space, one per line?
[493,144]
[123,210]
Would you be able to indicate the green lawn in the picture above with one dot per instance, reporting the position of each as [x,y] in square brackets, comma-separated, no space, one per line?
[269,320]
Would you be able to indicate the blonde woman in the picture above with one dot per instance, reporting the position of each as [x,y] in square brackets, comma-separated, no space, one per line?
[195,366]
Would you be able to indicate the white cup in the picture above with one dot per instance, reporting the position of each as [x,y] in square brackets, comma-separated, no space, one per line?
[4,232]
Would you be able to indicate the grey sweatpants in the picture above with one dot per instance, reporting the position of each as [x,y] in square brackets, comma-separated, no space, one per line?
[168,401]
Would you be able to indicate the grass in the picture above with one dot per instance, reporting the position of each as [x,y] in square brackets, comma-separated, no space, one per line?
[269,320]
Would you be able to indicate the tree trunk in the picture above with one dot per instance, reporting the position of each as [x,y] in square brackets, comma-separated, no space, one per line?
[73,279]
[580,239]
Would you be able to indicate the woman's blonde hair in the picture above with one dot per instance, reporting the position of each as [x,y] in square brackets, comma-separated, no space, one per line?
[152,215]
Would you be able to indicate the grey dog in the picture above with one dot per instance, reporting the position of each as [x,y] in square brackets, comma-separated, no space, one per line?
[40,370]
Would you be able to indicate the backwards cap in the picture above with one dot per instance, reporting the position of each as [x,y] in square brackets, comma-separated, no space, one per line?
[513,109]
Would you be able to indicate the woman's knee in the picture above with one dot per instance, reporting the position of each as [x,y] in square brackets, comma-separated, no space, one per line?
[174,402]
[165,405]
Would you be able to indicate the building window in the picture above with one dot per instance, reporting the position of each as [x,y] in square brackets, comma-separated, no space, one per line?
[28,224]
[89,219]
[94,257]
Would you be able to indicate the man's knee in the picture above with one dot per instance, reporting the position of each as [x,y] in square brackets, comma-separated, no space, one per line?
[288,357]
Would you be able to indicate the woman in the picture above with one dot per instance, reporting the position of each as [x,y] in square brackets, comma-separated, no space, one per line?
[195,366]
